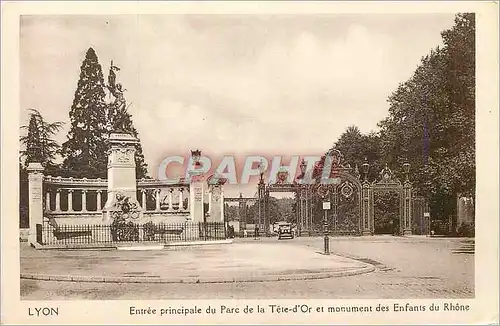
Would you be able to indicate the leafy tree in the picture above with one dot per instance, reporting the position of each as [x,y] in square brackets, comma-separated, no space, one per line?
[39,145]
[85,150]
[386,215]
[430,123]
[431,120]
[356,147]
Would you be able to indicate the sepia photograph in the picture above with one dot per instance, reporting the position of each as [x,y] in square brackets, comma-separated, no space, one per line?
[248,156]
[322,156]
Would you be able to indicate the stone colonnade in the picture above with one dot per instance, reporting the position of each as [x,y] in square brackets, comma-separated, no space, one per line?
[69,194]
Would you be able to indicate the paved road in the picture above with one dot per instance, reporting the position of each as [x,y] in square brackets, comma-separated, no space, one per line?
[406,268]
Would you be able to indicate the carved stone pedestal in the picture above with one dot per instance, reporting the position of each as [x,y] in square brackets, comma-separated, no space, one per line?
[121,175]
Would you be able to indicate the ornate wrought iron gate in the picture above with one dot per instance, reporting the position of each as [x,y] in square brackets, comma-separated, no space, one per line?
[352,198]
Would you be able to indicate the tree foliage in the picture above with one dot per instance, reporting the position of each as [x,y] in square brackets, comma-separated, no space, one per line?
[431,123]
[432,120]
[39,145]
[85,150]
[92,118]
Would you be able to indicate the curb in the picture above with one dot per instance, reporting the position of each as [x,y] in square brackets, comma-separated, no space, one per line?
[173,244]
[130,246]
[196,243]
[159,280]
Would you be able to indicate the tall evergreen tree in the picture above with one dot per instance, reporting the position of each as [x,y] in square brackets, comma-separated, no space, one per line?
[85,150]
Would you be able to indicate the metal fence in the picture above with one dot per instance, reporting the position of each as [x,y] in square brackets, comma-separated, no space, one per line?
[130,232]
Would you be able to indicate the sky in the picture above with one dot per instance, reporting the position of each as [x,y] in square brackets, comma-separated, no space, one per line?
[231,84]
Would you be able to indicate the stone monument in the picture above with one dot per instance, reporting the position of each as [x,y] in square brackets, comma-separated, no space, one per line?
[121,176]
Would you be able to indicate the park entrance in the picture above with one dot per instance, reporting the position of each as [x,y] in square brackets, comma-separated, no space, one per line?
[355,206]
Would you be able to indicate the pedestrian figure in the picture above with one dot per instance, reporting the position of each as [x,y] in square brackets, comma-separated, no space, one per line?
[245,233]
[256,232]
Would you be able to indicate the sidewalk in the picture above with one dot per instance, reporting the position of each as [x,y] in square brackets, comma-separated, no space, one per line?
[238,262]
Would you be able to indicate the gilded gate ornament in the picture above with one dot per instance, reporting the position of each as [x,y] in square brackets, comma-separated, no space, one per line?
[347,189]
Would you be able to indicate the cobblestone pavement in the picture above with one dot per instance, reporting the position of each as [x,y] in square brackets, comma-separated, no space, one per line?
[406,268]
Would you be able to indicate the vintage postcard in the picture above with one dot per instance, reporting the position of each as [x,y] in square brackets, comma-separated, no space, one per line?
[249,163]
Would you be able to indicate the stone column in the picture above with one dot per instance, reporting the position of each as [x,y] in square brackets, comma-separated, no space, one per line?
[223,219]
[215,200]
[143,191]
[47,201]
[58,200]
[99,205]
[181,204]
[170,194]
[210,201]
[35,199]
[157,192]
[84,200]
[70,200]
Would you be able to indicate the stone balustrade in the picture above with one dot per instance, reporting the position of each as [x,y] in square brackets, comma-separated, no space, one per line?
[166,197]
[75,182]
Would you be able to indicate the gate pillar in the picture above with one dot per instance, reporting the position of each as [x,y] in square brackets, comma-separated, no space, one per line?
[35,194]
[366,212]
[261,196]
[407,218]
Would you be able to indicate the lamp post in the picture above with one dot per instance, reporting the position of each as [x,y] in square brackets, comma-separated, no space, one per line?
[301,197]
[262,169]
[406,168]
[407,229]
[366,167]
[323,192]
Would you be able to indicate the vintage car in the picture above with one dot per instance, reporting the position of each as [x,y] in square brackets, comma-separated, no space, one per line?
[285,231]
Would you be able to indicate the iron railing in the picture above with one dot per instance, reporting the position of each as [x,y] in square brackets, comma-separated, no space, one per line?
[130,232]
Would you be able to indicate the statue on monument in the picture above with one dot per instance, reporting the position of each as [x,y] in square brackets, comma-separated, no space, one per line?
[124,208]
[117,107]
